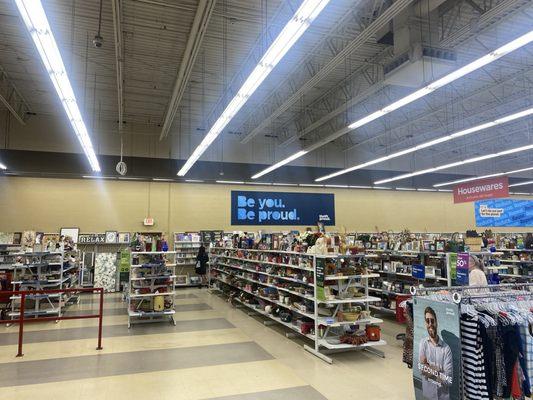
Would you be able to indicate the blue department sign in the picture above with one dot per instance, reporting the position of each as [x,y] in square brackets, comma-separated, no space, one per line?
[282,208]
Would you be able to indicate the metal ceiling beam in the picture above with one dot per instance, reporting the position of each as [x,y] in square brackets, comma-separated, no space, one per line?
[119,59]
[360,40]
[199,27]
[12,99]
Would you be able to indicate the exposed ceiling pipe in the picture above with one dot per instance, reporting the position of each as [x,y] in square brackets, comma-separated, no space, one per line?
[119,58]
[360,40]
[199,27]
[119,62]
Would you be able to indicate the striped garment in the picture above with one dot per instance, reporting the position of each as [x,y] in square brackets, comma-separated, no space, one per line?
[474,375]
[527,341]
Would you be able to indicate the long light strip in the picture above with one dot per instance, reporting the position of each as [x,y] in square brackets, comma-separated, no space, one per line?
[2,166]
[453,76]
[295,28]
[522,184]
[34,17]
[475,178]
[455,135]
[457,163]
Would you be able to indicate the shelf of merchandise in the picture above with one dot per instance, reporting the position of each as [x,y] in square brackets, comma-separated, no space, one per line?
[161,267]
[186,250]
[237,273]
[41,271]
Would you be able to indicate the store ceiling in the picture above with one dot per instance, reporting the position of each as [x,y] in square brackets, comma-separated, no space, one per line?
[276,121]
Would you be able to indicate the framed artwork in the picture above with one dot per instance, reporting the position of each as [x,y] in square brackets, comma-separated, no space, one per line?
[111,236]
[70,232]
[39,236]
[427,245]
[439,245]
[17,237]
[124,237]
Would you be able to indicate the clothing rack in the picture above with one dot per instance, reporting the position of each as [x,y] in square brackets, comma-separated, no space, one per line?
[460,289]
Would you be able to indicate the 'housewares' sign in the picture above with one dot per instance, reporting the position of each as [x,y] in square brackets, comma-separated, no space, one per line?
[281,208]
[482,189]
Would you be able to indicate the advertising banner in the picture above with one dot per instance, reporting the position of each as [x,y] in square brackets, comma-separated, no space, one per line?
[491,188]
[436,350]
[419,271]
[504,212]
[451,259]
[319,273]
[280,208]
[462,269]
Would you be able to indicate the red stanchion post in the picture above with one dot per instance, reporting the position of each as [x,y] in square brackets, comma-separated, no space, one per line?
[21,323]
[100,317]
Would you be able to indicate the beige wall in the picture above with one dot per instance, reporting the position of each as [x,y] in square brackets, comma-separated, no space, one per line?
[96,206]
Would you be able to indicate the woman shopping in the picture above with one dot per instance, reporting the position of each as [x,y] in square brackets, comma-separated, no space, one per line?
[201,265]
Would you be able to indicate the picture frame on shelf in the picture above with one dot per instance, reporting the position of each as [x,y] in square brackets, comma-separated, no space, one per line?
[439,245]
[111,237]
[73,233]
[124,237]
[39,237]
[17,237]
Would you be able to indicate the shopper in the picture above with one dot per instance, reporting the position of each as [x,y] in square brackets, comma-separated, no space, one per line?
[476,275]
[201,265]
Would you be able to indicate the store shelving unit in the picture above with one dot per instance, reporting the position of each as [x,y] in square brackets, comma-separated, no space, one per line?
[186,251]
[267,280]
[41,271]
[151,287]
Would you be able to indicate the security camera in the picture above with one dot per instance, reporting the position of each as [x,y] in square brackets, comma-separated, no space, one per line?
[98,41]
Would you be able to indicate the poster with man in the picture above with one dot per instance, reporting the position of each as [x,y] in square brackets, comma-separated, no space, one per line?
[436,350]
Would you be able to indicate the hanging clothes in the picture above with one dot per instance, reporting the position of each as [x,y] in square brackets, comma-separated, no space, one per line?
[474,376]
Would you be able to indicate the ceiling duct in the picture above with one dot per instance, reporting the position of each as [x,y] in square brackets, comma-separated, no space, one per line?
[416,62]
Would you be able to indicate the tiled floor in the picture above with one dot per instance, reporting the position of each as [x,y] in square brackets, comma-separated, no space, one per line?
[214,352]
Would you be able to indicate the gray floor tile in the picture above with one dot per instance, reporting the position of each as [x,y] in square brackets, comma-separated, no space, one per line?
[64,369]
[295,393]
[58,335]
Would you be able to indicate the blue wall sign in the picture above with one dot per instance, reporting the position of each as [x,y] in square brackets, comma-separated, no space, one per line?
[281,208]
[419,271]
[504,212]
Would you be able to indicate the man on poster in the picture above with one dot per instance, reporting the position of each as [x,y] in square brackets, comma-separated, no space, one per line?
[435,361]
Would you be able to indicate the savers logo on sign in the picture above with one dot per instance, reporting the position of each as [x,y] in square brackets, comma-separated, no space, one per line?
[280,208]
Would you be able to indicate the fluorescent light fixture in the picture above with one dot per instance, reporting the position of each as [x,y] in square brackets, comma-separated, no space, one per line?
[280,164]
[381,188]
[310,185]
[337,186]
[259,183]
[426,190]
[475,178]
[194,180]
[162,180]
[455,135]
[34,17]
[126,178]
[522,184]
[474,65]
[519,193]
[406,189]
[92,177]
[295,28]
[456,164]
[231,182]
[445,190]
[360,187]
[2,166]
[285,184]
